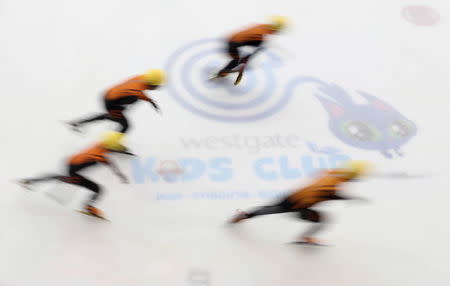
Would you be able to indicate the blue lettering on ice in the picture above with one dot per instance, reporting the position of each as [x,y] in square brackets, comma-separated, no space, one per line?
[192,168]
[268,169]
[216,169]
[169,196]
[287,171]
[310,167]
[336,159]
[143,169]
[221,168]
[262,171]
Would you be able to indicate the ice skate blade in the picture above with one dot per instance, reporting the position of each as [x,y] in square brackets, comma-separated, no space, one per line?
[308,243]
[92,215]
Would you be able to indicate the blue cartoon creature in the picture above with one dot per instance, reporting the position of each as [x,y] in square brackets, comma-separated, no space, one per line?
[373,125]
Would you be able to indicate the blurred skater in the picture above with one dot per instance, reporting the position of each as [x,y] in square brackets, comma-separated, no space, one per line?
[98,153]
[326,187]
[254,36]
[118,97]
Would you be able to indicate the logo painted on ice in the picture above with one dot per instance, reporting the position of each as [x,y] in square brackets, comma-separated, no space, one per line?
[169,170]
[192,65]
[421,15]
[221,169]
[375,125]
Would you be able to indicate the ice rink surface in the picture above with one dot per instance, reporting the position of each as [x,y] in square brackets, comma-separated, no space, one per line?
[56,59]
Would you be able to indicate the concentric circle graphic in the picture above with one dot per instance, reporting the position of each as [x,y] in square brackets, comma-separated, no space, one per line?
[190,68]
[421,15]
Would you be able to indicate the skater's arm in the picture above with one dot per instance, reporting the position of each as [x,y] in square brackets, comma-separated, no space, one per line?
[155,106]
[333,194]
[337,197]
[123,152]
[117,171]
[149,100]
[348,198]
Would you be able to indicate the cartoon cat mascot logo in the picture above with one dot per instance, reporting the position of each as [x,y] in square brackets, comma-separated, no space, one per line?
[374,125]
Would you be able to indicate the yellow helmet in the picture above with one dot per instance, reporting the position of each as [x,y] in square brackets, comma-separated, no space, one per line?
[278,22]
[154,77]
[113,140]
[357,168]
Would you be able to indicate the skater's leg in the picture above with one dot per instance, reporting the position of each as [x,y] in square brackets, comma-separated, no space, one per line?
[43,178]
[120,118]
[75,178]
[256,44]
[115,110]
[90,204]
[267,210]
[229,67]
[110,105]
[92,186]
[77,124]
[27,183]
[97,117]
[283,206]
[97,192]
[243,61]
[72,178]
[318,224]
[233,52]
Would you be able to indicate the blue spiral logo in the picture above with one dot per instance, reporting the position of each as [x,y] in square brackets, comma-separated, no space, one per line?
[190,68]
